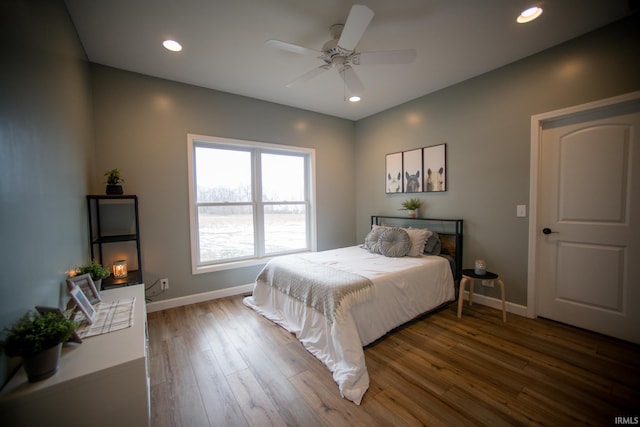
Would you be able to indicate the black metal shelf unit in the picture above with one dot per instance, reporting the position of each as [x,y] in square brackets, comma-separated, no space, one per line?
[106,228]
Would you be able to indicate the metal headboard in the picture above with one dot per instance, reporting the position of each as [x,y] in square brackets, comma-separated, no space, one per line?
[449,230]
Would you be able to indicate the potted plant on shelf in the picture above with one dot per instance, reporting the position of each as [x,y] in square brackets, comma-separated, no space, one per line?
[97,272]
[38,340]
[114,178]
[412,205]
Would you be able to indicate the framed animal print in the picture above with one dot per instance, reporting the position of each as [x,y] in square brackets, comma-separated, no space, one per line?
[435,167]
[393,173]
[412,165]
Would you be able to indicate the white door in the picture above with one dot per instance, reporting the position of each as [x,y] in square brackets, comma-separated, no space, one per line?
[588,265]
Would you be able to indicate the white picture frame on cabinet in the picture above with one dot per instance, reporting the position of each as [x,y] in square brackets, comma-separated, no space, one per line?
[83,304]
[84,282]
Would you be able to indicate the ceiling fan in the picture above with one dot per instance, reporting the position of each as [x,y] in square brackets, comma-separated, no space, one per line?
[339,52]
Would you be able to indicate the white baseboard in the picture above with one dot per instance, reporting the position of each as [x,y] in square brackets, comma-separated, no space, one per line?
[496,303]
[492,302]
[196,298]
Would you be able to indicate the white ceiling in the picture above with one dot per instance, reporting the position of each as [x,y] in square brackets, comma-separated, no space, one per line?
[224,46]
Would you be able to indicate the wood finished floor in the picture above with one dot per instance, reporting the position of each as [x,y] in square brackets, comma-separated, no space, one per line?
[219,363]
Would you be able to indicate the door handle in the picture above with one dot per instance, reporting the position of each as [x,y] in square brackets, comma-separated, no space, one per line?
[548,231]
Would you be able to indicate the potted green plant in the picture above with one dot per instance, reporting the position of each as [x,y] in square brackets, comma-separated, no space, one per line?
[412,205]
[38,340]
[97,272]
[114,178]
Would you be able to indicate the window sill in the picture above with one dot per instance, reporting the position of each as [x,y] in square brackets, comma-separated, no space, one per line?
[237,264]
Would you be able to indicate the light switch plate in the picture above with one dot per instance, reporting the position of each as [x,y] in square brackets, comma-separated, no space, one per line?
[521,211]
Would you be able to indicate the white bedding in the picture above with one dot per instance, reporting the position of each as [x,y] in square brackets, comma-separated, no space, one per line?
[404,288]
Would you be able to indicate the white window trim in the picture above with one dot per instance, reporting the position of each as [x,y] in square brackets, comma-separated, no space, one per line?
[192,140]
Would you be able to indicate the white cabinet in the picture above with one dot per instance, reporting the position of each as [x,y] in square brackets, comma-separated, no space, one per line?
[102,382]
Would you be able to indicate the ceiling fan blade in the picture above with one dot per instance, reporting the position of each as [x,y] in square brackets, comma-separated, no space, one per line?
[309,75]
[406,56]
[290,47]
[352,80]
[357,22]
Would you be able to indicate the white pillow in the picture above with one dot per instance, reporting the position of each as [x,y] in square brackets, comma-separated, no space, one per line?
[418,238]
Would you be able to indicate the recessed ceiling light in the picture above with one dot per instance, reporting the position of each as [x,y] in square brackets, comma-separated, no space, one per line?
[529,15]
[354,98]
[172,45]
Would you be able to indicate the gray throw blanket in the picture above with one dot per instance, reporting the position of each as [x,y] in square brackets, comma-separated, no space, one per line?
[328,290]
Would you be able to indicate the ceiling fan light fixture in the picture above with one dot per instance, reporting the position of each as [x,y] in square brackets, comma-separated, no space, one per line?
[339,53]
[529,15]
[172,45]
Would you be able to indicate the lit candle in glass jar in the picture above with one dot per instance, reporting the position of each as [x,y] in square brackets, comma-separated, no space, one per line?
[120,269]
[481,267]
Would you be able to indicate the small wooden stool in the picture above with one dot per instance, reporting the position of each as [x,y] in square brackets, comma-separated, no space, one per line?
[468,275]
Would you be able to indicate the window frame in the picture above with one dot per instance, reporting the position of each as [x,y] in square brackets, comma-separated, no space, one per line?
[256,148]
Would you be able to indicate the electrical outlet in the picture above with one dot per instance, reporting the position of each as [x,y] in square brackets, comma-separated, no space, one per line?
[164,284]
[487,283]
[521,211]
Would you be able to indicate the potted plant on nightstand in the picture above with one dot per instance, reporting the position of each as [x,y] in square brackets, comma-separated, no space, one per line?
[38,340]
[114,178]
[97,272]
[412,205]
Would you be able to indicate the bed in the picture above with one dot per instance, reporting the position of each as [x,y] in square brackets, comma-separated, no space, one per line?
[338,301]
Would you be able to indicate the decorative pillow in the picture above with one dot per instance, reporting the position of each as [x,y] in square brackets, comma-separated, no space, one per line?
[394,242]
[371,241]
[418,238]
[433,246]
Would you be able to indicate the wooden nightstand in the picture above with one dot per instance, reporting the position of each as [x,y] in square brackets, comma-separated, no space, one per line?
[468,275]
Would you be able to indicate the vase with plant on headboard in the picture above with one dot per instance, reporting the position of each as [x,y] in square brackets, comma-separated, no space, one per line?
[412,207]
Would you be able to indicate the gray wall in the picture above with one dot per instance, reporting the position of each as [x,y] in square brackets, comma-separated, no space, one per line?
[45,136]
[48,164]
[485,122]
[141,126]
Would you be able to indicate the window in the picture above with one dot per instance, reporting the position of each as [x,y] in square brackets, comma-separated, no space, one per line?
[248,201]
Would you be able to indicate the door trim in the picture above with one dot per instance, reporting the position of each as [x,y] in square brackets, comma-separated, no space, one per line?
[537,122]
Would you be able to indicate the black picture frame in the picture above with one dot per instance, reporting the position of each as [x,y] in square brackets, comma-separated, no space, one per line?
[435,167]
[393,173]
[421,170]
[412,171]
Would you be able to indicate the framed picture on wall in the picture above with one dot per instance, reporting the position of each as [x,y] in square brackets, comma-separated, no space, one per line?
[393,173]
[412,165]
[435,166]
